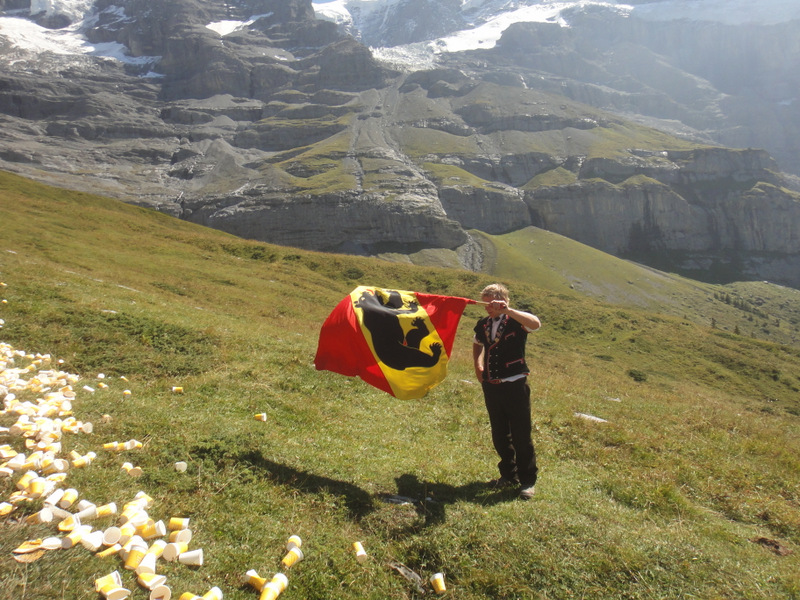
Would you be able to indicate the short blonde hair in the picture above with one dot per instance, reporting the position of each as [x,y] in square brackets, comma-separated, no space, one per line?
[497,291]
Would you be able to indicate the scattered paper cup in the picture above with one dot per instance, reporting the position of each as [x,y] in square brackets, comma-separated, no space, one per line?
[112,535]
[361,554]
[150,580]
[280,581]
[213,594]
[173,550]
[43,516]
[160,592]
[114,592]
[113,578]
[437,581]
[135,556]
[254,579]
[181,466]
[294,556]
[110,551]
[294,541]
[191,557]
[157,548]
[147,564]
[260,417]
[176,523]
[92,541]
[181,535]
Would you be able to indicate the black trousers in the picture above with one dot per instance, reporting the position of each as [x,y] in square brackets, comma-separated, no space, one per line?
[509,408]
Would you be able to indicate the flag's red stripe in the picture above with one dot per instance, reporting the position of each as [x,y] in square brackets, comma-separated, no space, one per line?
[444,312]
[343,349]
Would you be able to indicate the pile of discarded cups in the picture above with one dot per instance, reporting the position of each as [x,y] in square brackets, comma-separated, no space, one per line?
[131,534]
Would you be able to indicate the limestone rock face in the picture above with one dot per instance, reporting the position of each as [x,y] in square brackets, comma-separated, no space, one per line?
[254,117]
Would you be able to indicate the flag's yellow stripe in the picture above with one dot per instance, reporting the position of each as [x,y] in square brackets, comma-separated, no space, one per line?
[411,382]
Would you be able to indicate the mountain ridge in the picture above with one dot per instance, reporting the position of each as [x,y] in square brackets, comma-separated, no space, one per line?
[259,119]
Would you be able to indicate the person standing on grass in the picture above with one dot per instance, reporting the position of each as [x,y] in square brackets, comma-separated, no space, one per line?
[499,355]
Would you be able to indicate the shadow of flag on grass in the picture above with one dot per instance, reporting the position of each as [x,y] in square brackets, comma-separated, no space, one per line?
[397,341]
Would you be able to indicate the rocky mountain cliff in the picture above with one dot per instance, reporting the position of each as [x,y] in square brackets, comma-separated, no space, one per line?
[257,118]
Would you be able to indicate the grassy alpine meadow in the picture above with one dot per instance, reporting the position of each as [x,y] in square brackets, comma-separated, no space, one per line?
[668,447]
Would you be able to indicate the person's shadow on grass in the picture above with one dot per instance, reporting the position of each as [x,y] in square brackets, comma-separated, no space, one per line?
[427,498]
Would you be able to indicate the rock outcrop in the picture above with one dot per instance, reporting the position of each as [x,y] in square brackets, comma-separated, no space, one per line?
[282,129]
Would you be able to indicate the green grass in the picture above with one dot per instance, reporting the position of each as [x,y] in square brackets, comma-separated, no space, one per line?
[698,456]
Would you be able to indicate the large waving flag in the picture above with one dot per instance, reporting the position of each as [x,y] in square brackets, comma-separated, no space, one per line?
[398,341]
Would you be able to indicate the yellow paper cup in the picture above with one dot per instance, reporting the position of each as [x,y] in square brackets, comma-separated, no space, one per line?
[114,592]
[173,550]
[294,541]
[73,538]
[112,578]
[157,548]
[270,592]
[361,554]
[43,516]
[437,581]
[25,480]
[110,551]
[254,579]
[178,523]
[280,582]
[135,556]
[181,535]
[68,499]
[150,580]
[260,417]
[294,556]
[213,594]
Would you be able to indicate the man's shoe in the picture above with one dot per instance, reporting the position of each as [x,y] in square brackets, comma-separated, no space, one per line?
[502,482]
[527,493]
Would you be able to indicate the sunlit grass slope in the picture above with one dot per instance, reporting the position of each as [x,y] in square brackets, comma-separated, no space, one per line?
[754,309]
[697,460]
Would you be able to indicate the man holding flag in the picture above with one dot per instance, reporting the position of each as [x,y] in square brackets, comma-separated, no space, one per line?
[499,355]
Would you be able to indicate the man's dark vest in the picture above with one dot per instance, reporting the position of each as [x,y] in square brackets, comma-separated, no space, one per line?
[505,356]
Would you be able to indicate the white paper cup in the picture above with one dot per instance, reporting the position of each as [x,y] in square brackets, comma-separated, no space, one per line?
[92,541]
[173,550]
[181,535]
[181,466]
[112,535]
[191,557]
[147,564]
[160,592]
[114,592]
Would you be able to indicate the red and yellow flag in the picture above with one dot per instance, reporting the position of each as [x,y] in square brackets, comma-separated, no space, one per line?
[398,341]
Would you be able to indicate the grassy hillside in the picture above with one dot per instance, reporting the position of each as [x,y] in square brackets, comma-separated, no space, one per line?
[690,489]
